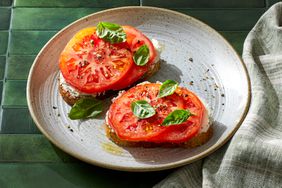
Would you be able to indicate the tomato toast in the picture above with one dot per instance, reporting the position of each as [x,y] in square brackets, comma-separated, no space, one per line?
[105,58]
[155,114]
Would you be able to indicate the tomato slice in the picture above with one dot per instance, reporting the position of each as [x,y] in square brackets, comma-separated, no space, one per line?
[135,39]
[130,128]
[91,65]
[187,130]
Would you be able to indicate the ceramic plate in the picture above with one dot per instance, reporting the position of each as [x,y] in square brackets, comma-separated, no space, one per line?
[193,54]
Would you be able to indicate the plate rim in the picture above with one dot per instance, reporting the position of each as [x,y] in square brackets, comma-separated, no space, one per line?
[159,167]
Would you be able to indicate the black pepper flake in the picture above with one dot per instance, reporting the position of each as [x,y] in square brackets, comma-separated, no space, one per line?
[54,107]
[208,70]
[59,115]
[71,130]
[83,64]
[212,64]
[222,95]
[191,59]
[222,104]
[191,83]
[206,90]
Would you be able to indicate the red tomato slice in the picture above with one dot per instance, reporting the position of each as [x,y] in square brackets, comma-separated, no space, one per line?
[135,39]
[91,65]
[128,127]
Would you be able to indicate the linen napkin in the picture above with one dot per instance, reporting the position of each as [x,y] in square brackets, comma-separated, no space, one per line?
[253,157]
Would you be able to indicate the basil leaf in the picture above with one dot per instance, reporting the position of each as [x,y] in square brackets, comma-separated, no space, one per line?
[142,109]
[176,117]
[141,56]
[167,88]
[110,32]
[85,108]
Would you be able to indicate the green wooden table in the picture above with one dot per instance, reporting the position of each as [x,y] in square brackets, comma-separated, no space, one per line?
[27,158]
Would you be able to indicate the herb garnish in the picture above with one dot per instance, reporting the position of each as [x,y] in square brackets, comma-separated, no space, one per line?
[142,109]
[176,117]
[167,88]
[141,56]
[110,32]
[85,108]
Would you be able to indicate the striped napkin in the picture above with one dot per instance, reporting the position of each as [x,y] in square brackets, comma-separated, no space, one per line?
[253,158]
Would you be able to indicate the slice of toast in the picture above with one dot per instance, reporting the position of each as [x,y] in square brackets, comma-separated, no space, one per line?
[198,140]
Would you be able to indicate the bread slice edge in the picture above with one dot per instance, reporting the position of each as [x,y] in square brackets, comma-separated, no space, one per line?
[200,139]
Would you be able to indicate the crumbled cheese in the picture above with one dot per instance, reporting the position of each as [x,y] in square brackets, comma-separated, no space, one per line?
[158,46]
[72,91]
[143,83]
[118,96]
[207,120]
[107,118]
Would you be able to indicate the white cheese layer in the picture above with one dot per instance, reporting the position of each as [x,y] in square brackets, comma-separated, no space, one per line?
[73,91]
[206,123]
[76,93]
[158,48]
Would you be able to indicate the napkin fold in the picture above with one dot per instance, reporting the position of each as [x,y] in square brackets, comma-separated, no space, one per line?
[253,157]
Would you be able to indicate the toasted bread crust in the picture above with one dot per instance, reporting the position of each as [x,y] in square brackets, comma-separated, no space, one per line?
[198,140]
[67,96]
[71,100]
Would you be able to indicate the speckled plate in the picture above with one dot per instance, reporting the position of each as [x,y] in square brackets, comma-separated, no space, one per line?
[194,54]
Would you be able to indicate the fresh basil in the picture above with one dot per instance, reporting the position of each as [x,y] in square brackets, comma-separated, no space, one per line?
[112,33]
[176,117]
[85,108]
[142,109]
[167,88]
[141,56]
